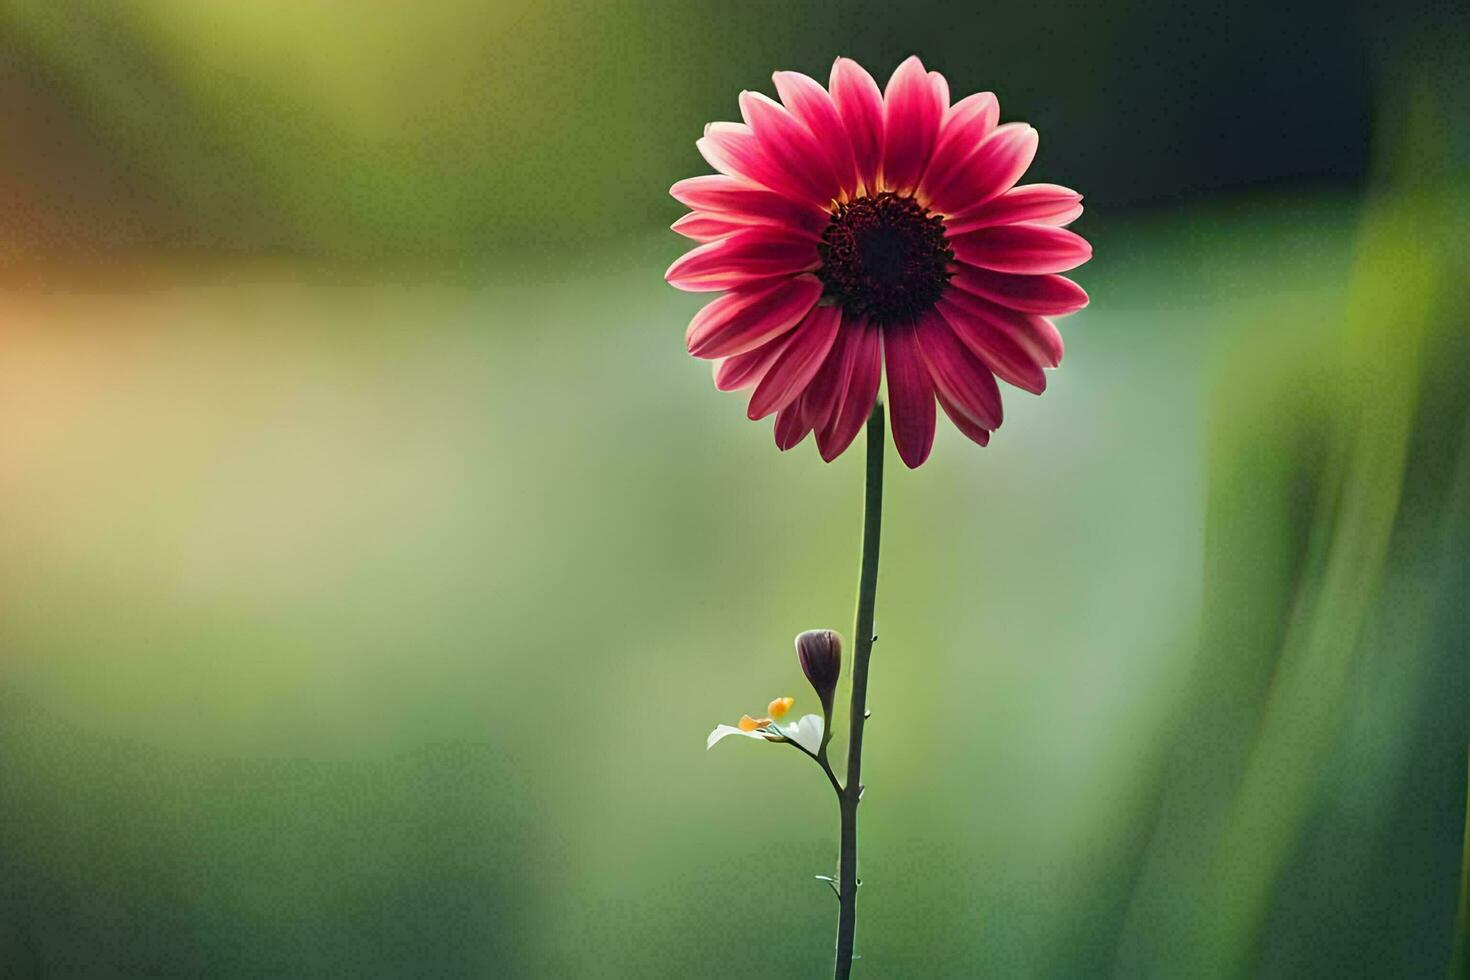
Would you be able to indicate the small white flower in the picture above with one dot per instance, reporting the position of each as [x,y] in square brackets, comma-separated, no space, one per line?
[722,731]
[806,731]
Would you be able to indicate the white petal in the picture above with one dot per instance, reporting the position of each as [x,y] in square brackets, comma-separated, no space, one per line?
[806,732]
[723,730]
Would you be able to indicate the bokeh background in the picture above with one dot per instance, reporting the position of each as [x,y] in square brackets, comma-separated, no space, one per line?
[373,560]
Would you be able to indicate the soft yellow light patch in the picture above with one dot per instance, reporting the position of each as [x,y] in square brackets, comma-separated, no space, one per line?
[749,724]
[779,707]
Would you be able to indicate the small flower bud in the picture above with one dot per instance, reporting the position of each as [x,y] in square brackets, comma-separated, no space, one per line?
[820,653]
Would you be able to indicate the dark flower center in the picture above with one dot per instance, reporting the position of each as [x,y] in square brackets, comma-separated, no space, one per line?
[885,258]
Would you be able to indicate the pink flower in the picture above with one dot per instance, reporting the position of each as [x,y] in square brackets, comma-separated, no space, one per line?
[850,229]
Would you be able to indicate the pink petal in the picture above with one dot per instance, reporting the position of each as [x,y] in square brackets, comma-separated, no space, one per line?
[859,392]
[756,253]
[990,169]
[911,113]
[815,406]
[971,431]
[964,126]
[957,374]
[789,145]
[746,318]
[732,148]
[1049,295]
[940,84]
[798,363]
[737,200]
[1042,204]
[1025,248]
[824,394]
[706,227]
[910,395]
[791,426]
[1033,334]
[811,104]
[969,121]
[991,341]
[746,370]
[860,104]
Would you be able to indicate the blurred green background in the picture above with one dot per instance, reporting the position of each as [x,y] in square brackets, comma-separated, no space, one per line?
[373,559]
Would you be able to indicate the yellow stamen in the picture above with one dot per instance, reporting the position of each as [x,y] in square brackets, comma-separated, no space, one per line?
[779,707]
[749,724]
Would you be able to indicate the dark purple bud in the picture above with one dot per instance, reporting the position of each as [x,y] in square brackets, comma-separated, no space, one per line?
[820,653]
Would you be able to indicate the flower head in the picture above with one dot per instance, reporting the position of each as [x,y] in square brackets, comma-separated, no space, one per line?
[805,731]
[856,233]
[820,654]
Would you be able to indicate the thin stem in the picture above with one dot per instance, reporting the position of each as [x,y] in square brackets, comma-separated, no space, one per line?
[820,758]
[1460,956]
[852,793]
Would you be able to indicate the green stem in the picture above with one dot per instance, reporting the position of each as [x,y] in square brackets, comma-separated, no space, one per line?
[1460,955]
[852,792]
